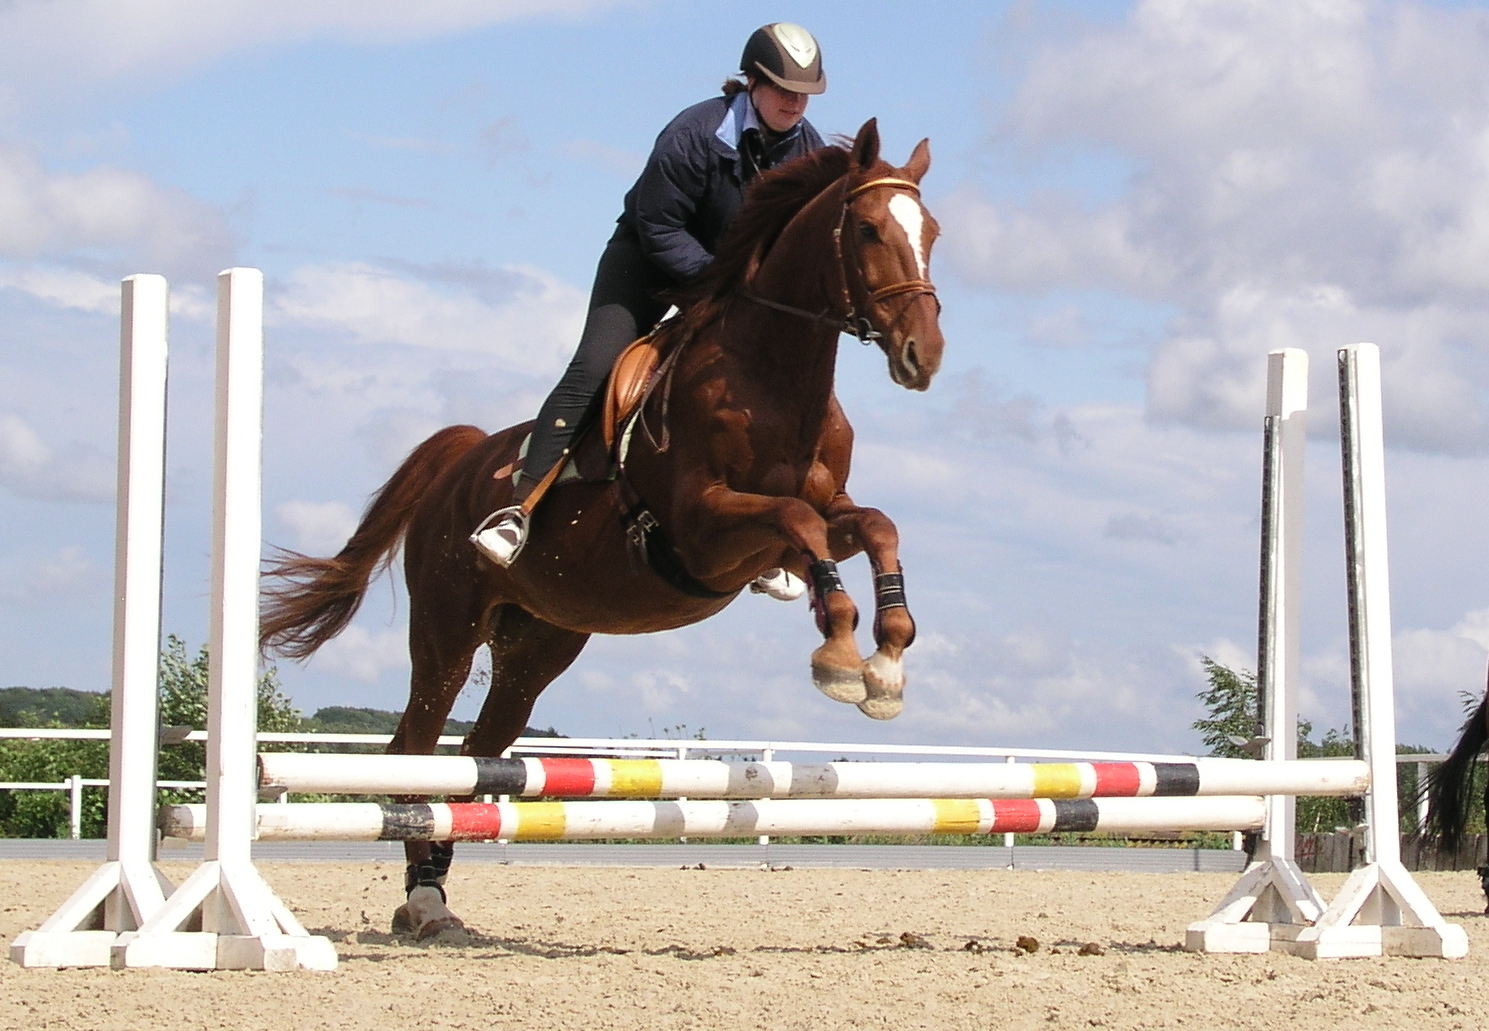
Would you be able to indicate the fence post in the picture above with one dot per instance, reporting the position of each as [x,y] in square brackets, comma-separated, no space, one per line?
[75,792]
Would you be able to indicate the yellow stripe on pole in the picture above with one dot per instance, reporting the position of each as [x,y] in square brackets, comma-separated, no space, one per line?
[540,821]
[1057,780]
[957,815]
[635,778]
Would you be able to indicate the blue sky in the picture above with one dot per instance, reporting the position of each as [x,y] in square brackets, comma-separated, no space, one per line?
[1138,202]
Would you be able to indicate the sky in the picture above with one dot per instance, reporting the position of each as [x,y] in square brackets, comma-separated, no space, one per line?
[1138,202]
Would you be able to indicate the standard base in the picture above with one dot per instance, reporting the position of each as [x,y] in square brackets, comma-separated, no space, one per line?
[203,950]
[245,927]
[82,932]
[1381,911]
[1270,906]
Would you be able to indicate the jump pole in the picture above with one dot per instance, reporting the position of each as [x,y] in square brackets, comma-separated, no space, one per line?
[694,818]
[127,890]
[532,777]
[243,924]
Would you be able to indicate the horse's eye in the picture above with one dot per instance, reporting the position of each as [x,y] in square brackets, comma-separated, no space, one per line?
[868,232]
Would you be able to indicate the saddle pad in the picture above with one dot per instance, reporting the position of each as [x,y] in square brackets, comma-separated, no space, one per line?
[627,384]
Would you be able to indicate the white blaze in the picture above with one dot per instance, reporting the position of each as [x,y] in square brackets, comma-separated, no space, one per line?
[906,211]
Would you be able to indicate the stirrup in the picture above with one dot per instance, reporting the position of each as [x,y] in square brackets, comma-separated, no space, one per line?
[780,584]
[492,543]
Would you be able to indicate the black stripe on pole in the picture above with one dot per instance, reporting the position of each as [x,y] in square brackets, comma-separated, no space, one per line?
[1075,815]
[500,777]
[409,822]
[1175,779]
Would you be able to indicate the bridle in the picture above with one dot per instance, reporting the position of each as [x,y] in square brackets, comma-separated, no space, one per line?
[851,322]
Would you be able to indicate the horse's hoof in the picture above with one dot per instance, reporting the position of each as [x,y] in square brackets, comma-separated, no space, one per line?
[426,916]
[884,676]
[884,682]
[881,708]
[444,932]
[841,685]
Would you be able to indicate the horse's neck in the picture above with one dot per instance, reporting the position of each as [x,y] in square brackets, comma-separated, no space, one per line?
[793,355]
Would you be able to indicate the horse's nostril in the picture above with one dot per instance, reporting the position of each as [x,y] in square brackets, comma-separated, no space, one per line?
[912,361]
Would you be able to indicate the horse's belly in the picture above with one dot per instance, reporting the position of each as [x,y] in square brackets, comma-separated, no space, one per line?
[577,572]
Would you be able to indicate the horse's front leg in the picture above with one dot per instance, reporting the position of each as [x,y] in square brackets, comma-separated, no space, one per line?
[851,529]
[727,522]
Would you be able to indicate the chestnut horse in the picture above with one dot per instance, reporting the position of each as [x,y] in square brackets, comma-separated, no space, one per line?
[1449,789]
[742,463]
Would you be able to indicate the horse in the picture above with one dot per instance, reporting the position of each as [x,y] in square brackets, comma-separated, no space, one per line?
[1449,790]
[735,463]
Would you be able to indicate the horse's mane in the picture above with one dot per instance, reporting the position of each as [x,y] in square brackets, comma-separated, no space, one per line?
[771,202]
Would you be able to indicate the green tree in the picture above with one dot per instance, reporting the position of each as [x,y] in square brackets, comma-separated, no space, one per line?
[1231,701]
[47,814]
[183,703]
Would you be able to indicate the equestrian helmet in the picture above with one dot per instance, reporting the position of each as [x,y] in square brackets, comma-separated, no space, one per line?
[787,55]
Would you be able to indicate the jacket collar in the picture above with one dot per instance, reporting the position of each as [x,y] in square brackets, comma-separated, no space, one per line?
[738,117]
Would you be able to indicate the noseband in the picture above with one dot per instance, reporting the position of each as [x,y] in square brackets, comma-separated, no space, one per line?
[851,322]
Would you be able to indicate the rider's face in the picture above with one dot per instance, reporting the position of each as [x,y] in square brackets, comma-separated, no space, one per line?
[779,109]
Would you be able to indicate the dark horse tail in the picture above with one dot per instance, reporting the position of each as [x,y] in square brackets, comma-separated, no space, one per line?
[315,598]
[1449,786]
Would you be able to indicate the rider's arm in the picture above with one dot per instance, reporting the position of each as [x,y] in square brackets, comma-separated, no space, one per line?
[667,195]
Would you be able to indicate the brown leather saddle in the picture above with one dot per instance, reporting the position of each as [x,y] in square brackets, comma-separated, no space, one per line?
[591,459]
[629,377]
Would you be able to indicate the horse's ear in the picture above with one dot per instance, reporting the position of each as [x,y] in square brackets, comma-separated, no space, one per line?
[866,145]
[920,161]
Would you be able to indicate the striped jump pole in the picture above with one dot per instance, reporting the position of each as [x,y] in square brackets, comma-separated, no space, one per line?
[281,772]
[580,821]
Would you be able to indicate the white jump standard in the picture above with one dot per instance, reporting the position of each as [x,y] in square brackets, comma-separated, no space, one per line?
[1380,910]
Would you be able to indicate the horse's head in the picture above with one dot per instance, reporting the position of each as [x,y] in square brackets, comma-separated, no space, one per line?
[887,235]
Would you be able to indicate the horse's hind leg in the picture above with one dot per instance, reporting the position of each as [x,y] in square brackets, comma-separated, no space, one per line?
[441,647]
[851,529]
[527,654]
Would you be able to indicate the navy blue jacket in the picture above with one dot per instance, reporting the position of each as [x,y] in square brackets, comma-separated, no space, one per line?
[694,181]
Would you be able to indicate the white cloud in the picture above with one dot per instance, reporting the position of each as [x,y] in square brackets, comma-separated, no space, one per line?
[360,654]
[320,527]
[522,317]
[1302,174]
[67,573]
[66,288]
[32,468]
[113,209]
[98,40]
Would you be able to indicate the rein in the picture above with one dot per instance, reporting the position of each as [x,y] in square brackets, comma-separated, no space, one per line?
[851,323]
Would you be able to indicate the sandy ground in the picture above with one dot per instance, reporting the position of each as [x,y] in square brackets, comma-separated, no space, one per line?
[559,948]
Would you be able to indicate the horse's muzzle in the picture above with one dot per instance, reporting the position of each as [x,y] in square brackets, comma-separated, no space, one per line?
[912,363]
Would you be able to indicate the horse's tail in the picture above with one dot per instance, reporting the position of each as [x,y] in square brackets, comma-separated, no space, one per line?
[315,598]
[1449,786]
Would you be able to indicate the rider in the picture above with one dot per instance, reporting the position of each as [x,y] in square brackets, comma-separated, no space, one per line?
[692,186]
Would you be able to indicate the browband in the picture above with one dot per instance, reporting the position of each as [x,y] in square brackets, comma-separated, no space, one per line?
[872,184]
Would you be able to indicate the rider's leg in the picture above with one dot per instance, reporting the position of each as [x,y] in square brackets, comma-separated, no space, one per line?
[622,306]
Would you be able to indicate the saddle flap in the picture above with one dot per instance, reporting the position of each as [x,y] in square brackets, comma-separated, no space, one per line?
[627,385]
